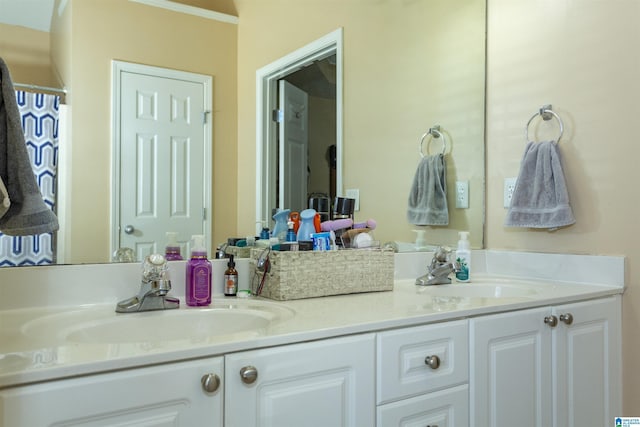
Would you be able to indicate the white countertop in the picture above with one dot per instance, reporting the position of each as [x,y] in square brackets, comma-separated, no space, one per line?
[40,305]
[31,353]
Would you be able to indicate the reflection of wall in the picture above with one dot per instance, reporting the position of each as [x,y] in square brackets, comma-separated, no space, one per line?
[26,52]
[96,32]
[421,70]
[322,133]
[589,72]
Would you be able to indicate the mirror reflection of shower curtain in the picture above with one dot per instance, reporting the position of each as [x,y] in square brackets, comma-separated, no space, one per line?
[40,121]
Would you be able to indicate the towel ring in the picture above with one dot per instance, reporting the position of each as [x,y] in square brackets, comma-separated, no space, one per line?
[434,132]
[547,114]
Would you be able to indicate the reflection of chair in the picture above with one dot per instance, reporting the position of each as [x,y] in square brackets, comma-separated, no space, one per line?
[124,255]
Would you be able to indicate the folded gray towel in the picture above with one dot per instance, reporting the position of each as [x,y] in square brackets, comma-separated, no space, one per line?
[540,198]
[28,214]
[428,196]
[5,202]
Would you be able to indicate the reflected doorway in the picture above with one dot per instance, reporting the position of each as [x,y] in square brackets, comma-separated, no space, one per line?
[317,177]
[162,158]
[295,68]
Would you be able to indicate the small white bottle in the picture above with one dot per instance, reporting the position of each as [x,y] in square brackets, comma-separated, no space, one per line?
[463,258]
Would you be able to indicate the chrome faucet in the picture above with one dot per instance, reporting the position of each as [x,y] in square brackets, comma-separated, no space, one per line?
[439,269]
[153,288]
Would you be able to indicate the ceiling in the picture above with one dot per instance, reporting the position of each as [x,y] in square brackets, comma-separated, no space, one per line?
[36,14]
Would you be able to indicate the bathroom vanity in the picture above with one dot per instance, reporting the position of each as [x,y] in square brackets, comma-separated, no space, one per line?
[513,346]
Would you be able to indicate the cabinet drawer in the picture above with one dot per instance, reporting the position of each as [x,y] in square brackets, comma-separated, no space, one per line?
[444,408]
[401,366]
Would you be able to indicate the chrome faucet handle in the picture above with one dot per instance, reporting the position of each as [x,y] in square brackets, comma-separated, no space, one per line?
[154,268]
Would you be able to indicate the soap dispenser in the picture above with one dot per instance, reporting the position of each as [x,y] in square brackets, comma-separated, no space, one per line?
[198,280]
[172,251]
[421,242]
[463,258]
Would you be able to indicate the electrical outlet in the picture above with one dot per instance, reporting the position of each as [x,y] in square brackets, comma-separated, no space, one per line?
[462,194]
[509,186]
[354,193]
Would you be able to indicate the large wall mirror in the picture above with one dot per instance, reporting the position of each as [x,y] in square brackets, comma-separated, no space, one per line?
[408,65]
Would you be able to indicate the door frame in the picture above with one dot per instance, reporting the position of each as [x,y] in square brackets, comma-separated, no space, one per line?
[119,67]
[267,100]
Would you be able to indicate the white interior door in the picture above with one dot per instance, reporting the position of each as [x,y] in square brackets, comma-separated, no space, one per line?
[294,141]
[162,161]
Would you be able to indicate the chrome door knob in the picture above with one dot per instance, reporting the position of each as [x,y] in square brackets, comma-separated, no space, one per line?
[210,383]
[551,321]
[567,318]
[432,361]
[128,229]
[249,374]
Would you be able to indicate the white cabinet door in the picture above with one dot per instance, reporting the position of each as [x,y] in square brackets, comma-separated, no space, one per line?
[160,396]
[587,362]
[322,383]
[510,370]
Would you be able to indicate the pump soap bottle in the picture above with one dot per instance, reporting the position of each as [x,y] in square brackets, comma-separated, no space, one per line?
[231,279]
[172,251]
[198,284]
[463,258]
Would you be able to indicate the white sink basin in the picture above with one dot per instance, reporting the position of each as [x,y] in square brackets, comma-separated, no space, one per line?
[480,290]
[98,325]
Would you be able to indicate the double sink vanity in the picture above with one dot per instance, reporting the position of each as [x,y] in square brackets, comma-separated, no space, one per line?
[533,340]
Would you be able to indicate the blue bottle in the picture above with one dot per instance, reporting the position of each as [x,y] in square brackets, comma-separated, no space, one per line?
[306,225]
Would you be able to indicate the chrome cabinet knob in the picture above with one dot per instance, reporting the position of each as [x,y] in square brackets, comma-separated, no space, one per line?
[567,318]
[249,374]
[210,383]
[432,361]
[128,229]
[551,321]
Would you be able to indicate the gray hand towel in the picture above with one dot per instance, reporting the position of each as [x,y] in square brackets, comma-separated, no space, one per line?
[5,202]
[428,196]
[540,198]
[28,214]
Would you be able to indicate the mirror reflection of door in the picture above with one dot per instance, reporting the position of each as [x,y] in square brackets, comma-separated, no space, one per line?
[293,134]
[318,81]
[162,166]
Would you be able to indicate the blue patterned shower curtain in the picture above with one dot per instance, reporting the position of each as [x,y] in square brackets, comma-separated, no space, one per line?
[40,118]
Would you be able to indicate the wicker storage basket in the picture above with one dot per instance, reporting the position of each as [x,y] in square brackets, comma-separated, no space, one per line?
[308,274]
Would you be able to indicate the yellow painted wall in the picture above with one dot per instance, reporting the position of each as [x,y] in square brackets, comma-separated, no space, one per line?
[106,30]
[407,66]
[583,58]
[27,54]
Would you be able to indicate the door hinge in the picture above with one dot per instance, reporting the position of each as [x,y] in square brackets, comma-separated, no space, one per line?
[204,214]
[204,116]
[277,116]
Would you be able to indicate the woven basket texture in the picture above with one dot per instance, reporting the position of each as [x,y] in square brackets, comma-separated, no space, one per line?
[309,274]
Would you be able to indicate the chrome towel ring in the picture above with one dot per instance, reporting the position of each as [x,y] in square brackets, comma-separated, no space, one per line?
[434,132]
[547,114]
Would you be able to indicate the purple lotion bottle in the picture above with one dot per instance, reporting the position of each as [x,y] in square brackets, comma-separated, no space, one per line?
[198,283]
[172,251]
